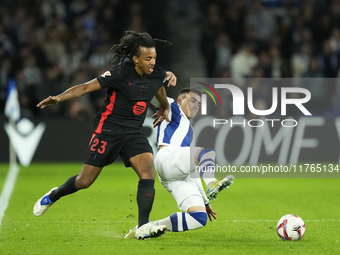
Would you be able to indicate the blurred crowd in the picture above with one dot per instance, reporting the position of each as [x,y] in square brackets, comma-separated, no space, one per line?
[275,39]
[49,45]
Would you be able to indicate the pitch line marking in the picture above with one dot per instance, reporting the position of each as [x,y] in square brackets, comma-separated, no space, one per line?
[8,189]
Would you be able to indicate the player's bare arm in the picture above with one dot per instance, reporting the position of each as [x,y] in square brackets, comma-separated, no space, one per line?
[163,111]
[171,78]
[74,92]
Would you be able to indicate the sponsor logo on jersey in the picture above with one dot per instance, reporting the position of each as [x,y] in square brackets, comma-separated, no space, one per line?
[131,83]
[139,108]
[107,73]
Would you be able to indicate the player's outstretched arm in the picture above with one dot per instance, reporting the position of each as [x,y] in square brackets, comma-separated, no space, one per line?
[74,92]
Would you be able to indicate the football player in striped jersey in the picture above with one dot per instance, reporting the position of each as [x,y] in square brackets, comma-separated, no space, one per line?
[181,165]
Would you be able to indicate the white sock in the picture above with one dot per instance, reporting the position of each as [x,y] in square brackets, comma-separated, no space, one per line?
[181,221]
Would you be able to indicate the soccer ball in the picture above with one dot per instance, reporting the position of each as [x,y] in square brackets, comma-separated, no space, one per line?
[290,228]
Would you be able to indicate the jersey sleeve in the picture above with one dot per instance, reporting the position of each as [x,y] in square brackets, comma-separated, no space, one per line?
[161,140]
[170,101]
[108,79]
[162,75]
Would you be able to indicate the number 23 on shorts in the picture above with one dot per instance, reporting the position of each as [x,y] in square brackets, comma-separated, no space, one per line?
[100,148]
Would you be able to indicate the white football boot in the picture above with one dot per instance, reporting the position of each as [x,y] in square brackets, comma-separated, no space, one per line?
[43,204]
[150,230]
[132,233]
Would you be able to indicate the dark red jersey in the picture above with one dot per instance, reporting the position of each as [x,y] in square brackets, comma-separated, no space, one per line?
[127,99]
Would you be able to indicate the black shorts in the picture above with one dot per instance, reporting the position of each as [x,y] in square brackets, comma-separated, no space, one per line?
[103,149]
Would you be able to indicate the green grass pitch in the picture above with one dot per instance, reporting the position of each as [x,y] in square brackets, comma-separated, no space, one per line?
[94,221]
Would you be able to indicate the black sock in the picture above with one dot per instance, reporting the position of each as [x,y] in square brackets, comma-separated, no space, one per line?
[145,197]
[67,188]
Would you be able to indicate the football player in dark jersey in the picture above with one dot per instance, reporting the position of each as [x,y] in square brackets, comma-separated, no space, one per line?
[118,126]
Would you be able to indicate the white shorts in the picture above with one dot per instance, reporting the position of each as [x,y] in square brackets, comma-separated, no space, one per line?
[174,167]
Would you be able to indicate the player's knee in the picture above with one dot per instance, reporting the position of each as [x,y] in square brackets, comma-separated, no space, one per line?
[143,166]
[146,171]
[201,217]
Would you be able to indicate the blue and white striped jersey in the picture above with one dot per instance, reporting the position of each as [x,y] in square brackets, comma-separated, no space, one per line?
[178,132]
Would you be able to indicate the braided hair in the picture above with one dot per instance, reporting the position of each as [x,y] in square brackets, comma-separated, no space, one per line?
[129,45]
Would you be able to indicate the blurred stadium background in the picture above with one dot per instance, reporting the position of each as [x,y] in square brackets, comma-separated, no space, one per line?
[48,46]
